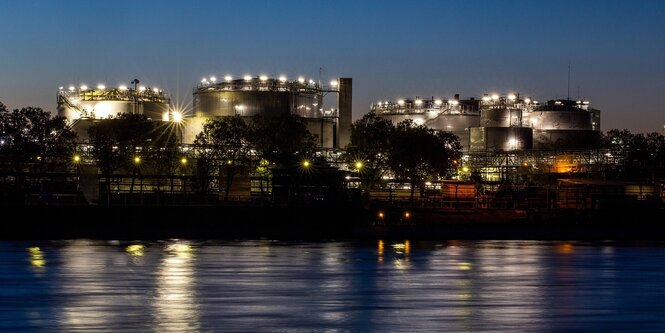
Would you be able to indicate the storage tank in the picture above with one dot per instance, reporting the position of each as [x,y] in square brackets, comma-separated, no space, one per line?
[102,103]
[501,138]
[564,124]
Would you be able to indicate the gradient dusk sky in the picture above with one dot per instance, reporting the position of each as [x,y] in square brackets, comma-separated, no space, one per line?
[391,49]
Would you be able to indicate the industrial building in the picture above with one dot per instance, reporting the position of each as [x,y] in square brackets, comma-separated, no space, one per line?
[441,114]
[84,105]
[251,96]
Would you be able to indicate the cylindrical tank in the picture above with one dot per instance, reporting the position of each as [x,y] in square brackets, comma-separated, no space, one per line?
[458,124]
[500,117]
[555,117]
[258,96]
[501,138]
[565,139]
[106,103]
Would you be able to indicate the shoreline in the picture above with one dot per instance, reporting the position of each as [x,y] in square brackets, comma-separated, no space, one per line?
[326,223]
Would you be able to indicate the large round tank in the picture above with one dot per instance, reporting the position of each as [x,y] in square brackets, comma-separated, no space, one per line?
[565,139]
[501,138]
[103,103]
[500,117]
[560,117]
[258,96]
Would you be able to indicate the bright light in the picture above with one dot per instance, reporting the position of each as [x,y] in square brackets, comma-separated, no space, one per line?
[176,116]
[135,250]
[495,97]
[213,79]
[229,162]
[228,78]
[486,98]
[247,78]
[419,102]
[512,97]
[123,87]
[263,78]
[60,88]
[137,159]
[311,82]
[438,102]
[77,158]
[465,169]
[400,102]
[407,215]
[301,79]
[381,215]
[333,83]
[101,87]
[527,100]
[183,161]
[358,165]
[306,163]
[142,88]
[453,102]
[204,80]
[165,116]
[282,78]
[84,87]
[72,88]
[155,89]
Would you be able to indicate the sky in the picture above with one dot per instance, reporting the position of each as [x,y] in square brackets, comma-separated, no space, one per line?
[391,49]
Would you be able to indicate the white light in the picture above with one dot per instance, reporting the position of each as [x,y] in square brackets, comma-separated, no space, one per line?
[72,88]
[176,116]
[400,102]
[282,78]
[438,102]
[263,78]
[165,116]
[311,81]
[419,102]
[142,88]
[123,87]
[585,102]
[301,79]
[60,88]
[204,80]
[101,87]
[527,100]
[512,97]
[155,89]
[453,102]
[228,78]
[486,98]
[247,78]
[213,79]
[333,83]
[495,97]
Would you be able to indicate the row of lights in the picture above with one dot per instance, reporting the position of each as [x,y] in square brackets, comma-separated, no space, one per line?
[136,159]
[263,78]
[121,87]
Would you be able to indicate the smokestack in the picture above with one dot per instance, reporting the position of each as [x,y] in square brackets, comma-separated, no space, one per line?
[345,107]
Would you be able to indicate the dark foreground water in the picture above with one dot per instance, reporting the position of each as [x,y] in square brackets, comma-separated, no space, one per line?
[249,286]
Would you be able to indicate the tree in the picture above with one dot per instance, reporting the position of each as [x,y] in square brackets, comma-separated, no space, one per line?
[228,139]
[282,139]
[418,153]
[369,148]
[32,136]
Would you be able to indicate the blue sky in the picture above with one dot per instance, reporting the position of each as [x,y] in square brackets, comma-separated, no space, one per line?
[391,49]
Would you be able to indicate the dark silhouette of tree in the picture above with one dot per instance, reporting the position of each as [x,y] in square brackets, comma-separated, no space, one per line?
[282,139]
[31,137]
[228,141]
[418,153]
[368,151]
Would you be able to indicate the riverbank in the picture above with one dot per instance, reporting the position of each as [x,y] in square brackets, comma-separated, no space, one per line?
[325,223]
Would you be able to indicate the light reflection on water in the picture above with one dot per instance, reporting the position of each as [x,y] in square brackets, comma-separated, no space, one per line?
[187,286]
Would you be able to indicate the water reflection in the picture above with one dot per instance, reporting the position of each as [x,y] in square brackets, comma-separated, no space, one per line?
[383,285]
[176,307]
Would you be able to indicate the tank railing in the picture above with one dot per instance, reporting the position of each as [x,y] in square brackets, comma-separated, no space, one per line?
[260,85]
[117,95]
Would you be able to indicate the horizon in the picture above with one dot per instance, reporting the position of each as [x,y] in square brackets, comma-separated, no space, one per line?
[391,49]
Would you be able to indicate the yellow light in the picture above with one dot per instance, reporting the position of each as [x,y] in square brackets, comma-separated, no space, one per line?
[381,215]
[305,163]
[165,116]
[359,165]
[301,79]
[465,169]
[407,215]
[77,158]
[39,158]
[380,246]
[526,164]
[465,266]
[183,161]
[36,257]
[229,162]
[407,246]
[176,116]
[135,250]
[137,159]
